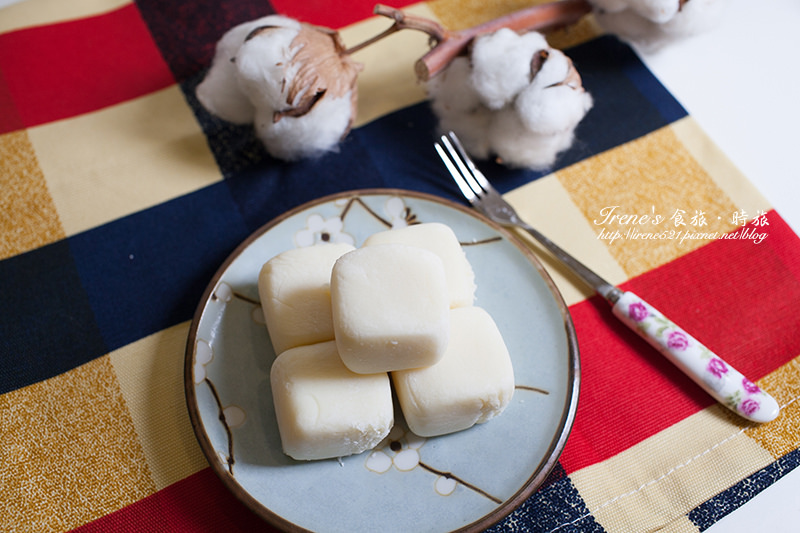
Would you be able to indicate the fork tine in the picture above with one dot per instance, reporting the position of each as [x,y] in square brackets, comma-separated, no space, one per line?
[467,170]
[464,164]
[456,173]
[476,174]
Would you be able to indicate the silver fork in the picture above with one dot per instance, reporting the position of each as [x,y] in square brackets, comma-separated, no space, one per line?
[709,371]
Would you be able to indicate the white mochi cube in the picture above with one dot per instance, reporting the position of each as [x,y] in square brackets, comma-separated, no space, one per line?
[473,382]
[294,288]
[441,240]
[390,308]
[324,410]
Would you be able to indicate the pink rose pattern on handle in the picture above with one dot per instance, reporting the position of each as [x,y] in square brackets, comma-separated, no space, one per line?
[717,367]
[677,340]
[721,380]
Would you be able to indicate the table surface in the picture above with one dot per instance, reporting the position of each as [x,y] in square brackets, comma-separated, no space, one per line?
[720,77]
[749,51]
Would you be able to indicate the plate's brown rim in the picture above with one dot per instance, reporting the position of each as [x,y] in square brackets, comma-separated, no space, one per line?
[504,509]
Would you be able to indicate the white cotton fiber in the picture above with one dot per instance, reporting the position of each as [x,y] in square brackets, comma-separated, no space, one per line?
[659,11]
[452,91]
[549,106]
[554,70]
[553,110]
[518,146]
[219,92]
[459,108]
[310,135]
[501,65]
[651,32]
[261,66]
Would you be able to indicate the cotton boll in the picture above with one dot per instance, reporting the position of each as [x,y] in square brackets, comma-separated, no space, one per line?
[692,18]
[303,87]
[537,112]
[295,82]
[545,115]
[501,64]
[219,92]
[309,135]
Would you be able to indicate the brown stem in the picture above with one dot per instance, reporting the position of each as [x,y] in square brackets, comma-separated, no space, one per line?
[402,21]
[542,17]
[448,44]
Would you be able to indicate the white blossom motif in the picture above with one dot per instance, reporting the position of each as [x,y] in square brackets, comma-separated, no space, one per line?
[397,212]
[445,485]
[223,292]
[234,416]
[399,449]
[319,230]
[203,355]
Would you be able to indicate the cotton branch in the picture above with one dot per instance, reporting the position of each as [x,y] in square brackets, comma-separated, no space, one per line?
[450,44]
[402,21]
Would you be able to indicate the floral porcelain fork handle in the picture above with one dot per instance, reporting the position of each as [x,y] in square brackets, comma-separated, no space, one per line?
[723,382]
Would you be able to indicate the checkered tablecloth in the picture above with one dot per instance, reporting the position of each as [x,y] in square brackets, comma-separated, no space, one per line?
[121,197]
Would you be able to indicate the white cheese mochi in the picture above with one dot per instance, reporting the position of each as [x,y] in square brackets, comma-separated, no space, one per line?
[324,410]
[294,289]
[440,239]
[390,308]
[473,382]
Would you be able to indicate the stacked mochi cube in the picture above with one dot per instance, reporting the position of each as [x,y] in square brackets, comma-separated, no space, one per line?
[349,324]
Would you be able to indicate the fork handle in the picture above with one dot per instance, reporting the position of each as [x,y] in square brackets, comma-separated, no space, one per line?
[723,382]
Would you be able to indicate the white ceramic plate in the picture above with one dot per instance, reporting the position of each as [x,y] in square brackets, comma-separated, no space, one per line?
[460,482]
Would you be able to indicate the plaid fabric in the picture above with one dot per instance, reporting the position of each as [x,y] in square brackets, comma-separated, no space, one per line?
[121,197]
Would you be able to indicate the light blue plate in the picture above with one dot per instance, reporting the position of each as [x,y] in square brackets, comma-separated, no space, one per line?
[460,482]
